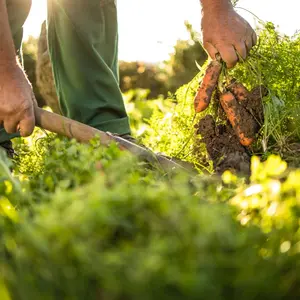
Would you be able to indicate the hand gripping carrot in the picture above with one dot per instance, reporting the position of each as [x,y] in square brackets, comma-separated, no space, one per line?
[207,86]
[242,122]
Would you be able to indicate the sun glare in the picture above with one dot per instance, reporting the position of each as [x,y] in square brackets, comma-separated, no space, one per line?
[149,29]
[36,17]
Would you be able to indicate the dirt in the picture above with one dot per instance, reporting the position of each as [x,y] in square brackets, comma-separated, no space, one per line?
[254,103]
[243,121]
[223,146]
[222,142]
[249,126]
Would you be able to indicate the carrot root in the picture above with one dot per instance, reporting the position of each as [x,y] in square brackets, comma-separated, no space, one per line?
[239,91]
[207,86]
[241,121]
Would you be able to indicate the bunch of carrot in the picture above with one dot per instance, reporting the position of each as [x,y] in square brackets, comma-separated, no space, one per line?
[231,99]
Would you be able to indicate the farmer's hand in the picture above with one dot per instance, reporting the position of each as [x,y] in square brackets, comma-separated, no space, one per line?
[226,33]
[16,101]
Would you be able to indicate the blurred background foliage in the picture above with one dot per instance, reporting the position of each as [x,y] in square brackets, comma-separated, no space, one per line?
[30,48]
[158,79]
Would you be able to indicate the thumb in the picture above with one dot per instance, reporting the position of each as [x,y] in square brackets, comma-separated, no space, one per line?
[211,50]
[27,124]
[35,104]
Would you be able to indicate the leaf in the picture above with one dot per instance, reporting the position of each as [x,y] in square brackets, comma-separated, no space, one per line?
[4,294]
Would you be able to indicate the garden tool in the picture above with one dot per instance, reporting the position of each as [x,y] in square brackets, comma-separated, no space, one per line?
[83,133]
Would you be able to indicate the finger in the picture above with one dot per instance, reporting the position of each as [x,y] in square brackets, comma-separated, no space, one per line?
[10,125]
[229,55]
[26,125]
[249,44]
[254,38]
[34,99]
[211,50]
[241,50]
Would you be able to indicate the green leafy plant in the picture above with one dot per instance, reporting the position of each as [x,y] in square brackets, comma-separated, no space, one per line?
[94,223]
[275,63]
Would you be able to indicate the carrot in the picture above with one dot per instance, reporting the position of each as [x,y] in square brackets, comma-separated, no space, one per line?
[242,122]
[239,91]
[207,86]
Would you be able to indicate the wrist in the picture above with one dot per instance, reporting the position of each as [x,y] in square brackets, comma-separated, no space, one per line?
[10,70]
[216,6]
[8,66]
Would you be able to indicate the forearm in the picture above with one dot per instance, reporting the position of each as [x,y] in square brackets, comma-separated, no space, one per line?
[7,48]
[216,5]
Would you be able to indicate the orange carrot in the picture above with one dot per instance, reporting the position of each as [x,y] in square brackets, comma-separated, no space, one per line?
[242,122]
[207,86]
[239,91]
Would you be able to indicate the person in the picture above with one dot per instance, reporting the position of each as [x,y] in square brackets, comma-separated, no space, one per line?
[83,46]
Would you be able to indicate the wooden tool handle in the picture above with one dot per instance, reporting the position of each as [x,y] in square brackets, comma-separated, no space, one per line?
[84,133]
[69,128]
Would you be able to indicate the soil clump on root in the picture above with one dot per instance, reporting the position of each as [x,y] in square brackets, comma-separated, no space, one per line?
[222,141]
[223,146]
